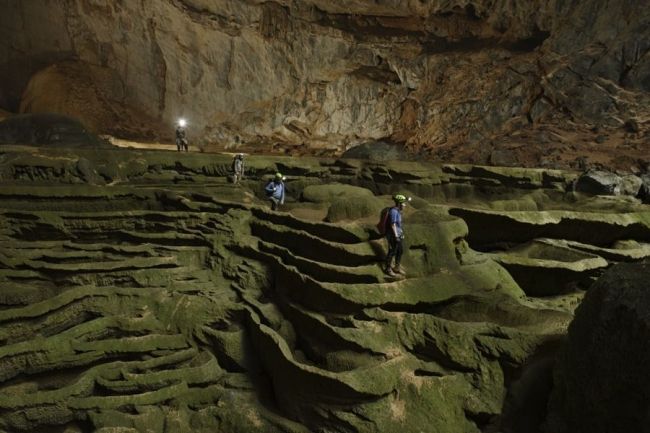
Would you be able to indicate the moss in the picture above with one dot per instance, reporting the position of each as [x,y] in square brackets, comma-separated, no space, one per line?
[354,207]
[330,192]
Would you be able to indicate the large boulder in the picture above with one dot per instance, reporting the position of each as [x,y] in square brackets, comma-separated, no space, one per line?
[599,182]
[601,380]
[631,185]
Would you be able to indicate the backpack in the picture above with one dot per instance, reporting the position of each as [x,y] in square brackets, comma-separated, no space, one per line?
[383,220]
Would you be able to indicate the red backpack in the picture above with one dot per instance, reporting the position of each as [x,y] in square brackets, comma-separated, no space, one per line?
[382,225]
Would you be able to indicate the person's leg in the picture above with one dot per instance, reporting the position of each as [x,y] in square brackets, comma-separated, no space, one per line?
[399,249]
[274,203]
[392,250]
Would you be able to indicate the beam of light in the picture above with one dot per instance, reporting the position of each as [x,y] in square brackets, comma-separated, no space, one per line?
[182,122]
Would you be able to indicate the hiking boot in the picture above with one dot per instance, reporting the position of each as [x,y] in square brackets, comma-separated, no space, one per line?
[389,272]
[399,270]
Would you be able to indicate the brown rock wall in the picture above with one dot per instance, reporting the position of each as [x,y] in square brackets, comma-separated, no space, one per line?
[453,78]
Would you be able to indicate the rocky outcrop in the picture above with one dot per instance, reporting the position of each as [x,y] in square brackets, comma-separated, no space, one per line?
[453,80]
[600,380]
[607,183]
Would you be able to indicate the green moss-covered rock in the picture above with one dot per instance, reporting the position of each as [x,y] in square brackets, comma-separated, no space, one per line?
[354,207]
[330,192]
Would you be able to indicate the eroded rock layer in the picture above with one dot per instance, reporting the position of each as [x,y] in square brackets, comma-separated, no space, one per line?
[142,292]
[497,82]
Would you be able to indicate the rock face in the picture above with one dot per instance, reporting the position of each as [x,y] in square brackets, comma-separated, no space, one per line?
[323,74]
[601,382]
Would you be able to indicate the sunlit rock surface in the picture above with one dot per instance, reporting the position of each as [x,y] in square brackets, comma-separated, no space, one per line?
[504,83]
[145,293]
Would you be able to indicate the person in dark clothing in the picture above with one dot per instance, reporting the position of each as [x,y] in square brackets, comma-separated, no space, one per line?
[395,237]
[181,136]
[275,191]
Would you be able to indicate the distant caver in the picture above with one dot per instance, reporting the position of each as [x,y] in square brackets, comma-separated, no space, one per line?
[181,137]
[275,191]
[392,228]
[237,168]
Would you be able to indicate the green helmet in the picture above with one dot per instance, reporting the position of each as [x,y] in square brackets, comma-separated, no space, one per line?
[278,176]
[400,198]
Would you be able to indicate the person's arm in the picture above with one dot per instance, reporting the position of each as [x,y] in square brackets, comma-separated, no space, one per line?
[393,222]
[269,188]
[282,199]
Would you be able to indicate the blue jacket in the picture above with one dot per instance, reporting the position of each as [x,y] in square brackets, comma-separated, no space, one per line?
[276,190]
[394,217]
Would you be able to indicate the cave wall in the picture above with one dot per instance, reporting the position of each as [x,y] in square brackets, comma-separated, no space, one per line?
[328,74]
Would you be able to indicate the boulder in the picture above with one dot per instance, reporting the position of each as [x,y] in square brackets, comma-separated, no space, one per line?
[601,379]
[599,182]
[503,158]
[631,185]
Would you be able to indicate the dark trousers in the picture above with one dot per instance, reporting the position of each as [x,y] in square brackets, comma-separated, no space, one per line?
[275,203]
[394,250]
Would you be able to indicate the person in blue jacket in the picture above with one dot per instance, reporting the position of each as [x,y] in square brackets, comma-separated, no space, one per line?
[395,236]
[275,191]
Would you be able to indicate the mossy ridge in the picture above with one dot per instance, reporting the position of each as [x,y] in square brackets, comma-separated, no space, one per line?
[491,227]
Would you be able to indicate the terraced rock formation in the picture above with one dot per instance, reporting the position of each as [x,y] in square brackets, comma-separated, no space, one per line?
[142,292]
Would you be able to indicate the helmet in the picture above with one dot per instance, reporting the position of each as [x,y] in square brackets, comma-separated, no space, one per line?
[400,198]
[278,176]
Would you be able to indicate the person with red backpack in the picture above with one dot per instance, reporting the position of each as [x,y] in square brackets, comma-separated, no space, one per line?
[391,222]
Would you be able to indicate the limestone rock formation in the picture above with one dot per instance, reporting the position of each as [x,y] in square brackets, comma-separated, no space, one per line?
[601,383]
[475,81]
[167,299]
